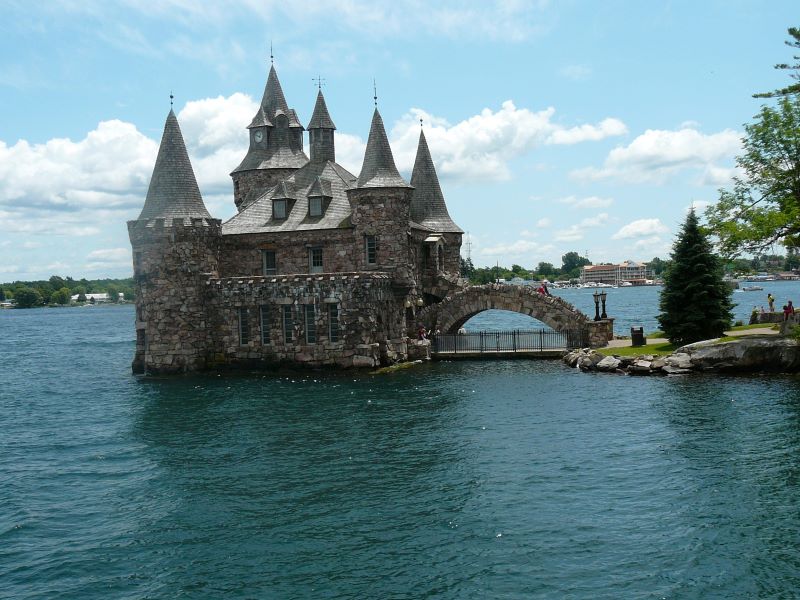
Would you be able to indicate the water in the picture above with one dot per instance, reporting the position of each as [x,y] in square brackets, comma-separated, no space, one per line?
[503,479]
[637,306]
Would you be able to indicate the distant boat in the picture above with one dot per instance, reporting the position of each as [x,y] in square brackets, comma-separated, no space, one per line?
[752,288]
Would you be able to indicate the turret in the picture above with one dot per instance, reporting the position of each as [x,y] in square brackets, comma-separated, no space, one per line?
[320,132]
[441,250]
[276,145]
[175,244]
[380,203]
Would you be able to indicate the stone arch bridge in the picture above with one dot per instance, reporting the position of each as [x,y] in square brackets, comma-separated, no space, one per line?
[457,308]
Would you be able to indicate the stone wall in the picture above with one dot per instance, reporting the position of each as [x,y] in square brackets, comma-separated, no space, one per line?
[384,213]
[251,184]
[171,266]
[371,323]
[241,255]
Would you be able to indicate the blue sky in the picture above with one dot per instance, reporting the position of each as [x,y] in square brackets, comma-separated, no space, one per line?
[555,126]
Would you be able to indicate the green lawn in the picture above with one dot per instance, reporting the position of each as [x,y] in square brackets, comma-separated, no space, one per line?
[654,349]
[660,334]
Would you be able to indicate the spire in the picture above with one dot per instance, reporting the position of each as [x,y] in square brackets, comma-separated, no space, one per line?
[273,102]
[321,119]
[173,191]
[379,169]
[427,202]
[273,98]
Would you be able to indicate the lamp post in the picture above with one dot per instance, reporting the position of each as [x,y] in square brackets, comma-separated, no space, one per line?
[603,314]
[596,296]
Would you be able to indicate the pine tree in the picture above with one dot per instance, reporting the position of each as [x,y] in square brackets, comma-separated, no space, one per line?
[695,302]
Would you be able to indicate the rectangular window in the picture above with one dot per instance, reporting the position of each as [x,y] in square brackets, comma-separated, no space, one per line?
[269,262]
[333,322]
[310,323]
[279,209]
[372,250]
[315,260]
[315,206]
[137,262]
[266,323]
[288,324]
[244,327]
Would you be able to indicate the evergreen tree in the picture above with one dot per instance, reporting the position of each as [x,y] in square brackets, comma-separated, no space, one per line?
[695,302]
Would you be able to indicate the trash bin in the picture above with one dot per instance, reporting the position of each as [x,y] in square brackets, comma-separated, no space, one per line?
[637,336]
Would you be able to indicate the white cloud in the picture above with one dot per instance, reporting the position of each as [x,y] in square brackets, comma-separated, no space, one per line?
[517,249]
[576,232]
[656,155]
[544,222]
[110,255]
[588,202]
[9,269]
[640,228]
[100,170]
[480,147]
[506,21]
[588,133]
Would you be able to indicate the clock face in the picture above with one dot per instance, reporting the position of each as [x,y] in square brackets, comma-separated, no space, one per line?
[258,136]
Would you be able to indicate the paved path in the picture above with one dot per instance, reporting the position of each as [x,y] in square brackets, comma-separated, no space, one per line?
[756,331]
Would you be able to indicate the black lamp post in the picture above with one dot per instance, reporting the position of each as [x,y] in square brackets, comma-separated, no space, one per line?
[603,314]
[596,296]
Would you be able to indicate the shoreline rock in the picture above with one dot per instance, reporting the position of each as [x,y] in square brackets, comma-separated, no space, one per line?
[756,353]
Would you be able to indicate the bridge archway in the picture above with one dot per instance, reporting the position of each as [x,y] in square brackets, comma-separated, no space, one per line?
[451,313]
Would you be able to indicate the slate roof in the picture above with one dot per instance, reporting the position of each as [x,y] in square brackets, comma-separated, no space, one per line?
[283,152]
[273,101]
[427,201]
[320,187]
[173,191]
[379,169]
[331,177]
[321,118]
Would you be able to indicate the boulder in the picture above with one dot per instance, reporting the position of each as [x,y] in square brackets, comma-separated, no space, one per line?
[750,353]
[640,367]
[608,364]
[679,360]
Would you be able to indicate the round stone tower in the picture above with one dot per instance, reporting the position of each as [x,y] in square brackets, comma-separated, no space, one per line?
[175,245]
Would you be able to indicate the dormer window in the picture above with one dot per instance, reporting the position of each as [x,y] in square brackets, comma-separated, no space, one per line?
[279,209]
[315,206]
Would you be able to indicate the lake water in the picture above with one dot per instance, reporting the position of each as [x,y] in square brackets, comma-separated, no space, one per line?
[502,479]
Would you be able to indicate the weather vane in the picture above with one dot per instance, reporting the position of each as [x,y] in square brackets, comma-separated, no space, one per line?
[375,92]
[170,98]
[420,122]
[319,81]
[271,57]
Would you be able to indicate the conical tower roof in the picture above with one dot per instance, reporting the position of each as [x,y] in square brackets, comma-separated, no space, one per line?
[273,102]
[427,201]
[379,169]
[173,191]
[321,118]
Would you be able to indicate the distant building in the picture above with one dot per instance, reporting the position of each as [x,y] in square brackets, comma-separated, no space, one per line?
[98,298]
[629,271]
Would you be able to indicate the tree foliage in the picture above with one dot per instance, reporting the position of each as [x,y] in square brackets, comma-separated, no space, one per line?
[695,302]
[764,205]
[27,297]
[571,264]
[794,88]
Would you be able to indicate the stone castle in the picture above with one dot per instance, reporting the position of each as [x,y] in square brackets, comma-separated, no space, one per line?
[318,267]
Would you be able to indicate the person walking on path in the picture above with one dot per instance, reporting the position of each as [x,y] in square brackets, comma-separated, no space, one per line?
[771,301]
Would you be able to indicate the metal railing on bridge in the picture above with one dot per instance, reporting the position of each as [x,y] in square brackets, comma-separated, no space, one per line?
[494,342]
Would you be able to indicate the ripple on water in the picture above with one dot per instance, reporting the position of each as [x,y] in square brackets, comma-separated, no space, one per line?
[498,479]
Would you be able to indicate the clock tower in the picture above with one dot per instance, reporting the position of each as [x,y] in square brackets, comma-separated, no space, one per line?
[276,146]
